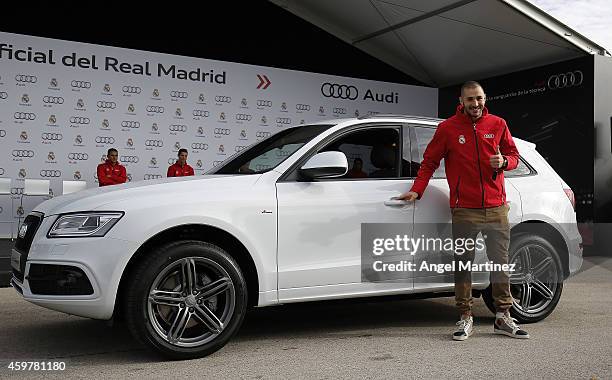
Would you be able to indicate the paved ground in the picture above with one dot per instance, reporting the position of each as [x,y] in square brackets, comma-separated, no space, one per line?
[373,339]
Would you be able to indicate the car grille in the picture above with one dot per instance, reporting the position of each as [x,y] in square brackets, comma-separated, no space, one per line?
[23,243]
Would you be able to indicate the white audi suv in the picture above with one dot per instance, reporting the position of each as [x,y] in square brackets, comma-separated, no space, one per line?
[181,259]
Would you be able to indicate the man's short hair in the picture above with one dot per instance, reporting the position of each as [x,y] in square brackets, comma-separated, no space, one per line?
[182,150]
[470,84]
[110,150]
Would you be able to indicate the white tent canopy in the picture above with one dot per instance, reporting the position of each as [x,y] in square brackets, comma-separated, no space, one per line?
[444,42]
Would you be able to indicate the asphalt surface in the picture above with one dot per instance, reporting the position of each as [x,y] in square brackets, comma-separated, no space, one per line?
[365,339]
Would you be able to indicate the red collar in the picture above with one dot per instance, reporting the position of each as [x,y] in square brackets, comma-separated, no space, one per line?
[459,113]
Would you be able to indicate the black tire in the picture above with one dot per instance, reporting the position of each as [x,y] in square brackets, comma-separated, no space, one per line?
[543,306]
[160,313]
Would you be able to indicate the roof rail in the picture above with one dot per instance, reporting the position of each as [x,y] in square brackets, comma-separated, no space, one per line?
[398,116]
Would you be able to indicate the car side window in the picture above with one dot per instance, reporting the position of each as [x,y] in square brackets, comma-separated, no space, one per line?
[424,136]
[371,153]
[520,171]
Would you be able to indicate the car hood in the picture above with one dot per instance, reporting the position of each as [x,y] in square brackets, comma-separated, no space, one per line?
[103,198]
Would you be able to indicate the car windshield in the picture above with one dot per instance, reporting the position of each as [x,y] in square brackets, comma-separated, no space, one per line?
[269,153]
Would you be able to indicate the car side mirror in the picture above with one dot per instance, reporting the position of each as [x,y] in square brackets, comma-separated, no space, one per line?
[325,165]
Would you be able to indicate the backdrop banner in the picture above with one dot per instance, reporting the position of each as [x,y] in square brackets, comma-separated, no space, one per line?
[63,104]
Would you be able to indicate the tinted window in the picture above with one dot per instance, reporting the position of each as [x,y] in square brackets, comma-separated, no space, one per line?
[424,136]
[371,153]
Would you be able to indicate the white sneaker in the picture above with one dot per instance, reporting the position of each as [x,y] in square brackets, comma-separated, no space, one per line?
[465,328]
[506,325]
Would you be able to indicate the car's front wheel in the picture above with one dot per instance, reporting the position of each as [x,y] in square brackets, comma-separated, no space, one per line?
[186,299]
[537,281]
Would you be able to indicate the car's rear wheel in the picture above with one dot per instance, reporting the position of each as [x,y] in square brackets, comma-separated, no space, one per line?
[186,299]
[537,281]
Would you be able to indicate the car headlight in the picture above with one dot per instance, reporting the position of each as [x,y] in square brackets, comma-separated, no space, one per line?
[84,224]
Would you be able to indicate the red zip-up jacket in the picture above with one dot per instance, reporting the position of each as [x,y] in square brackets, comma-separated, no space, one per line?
[109,174]
[176,170]
[466,148]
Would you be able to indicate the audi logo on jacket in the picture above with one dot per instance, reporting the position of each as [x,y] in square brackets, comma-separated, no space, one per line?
[176,170]
[109,174]
[466,148]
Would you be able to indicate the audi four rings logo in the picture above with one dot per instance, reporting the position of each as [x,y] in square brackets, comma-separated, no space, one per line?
[152,176]
[130,124]
[50,173]
[238,148]
[199,146]
[172,161]
[26,78]
[223,99]
[129,159]
[105,140]
[244,116]
[302,107]
[283,120]
[103,104]
[3,95]
[339,111]
[79,120]
[23,153]
[178,94]
[261,134]
[52,136]
[282,153]
[339,91]
[53,100]
[201,113]
[80,84]
[17,190]
[154,143]
[260,167]
[222,131]
[215,163]
[78,156]
[24,116]
[131,89]
[155,109]
[177,128]
[565,80]
[264,103]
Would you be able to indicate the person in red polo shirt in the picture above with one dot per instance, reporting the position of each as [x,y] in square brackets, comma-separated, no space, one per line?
[180,168]
[111,172]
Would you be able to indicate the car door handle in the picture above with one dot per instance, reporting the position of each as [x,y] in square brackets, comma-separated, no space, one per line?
[393,202]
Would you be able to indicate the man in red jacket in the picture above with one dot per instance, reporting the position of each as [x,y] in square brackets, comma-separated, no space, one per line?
[111,172]
[477,147]
[180,167]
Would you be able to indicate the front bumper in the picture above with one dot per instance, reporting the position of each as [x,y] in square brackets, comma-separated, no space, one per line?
[101,260]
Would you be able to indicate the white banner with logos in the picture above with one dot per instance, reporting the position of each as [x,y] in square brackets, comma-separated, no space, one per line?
[63,104]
